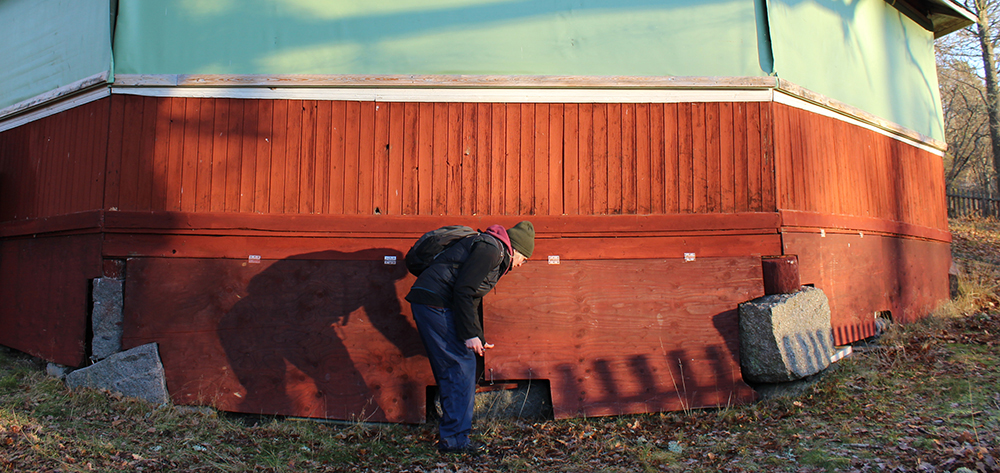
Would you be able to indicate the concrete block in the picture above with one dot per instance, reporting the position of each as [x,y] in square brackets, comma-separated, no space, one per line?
[106,318]
[137,373]
[785,337]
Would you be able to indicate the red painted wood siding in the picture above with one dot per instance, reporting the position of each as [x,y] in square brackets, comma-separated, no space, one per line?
[359,158]
[828,166]
[54,166]
[45,289]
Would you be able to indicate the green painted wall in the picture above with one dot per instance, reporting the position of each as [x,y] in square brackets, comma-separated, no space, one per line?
[48,44]
[862,52]
[531,37]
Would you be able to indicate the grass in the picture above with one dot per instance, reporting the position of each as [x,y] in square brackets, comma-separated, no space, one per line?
[927,398]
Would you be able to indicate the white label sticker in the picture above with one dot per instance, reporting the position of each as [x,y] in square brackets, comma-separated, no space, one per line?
[390,260]
[553,259]
[255,259]
[688,256]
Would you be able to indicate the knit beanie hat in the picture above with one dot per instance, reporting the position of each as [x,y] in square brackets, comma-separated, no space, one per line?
[522,238]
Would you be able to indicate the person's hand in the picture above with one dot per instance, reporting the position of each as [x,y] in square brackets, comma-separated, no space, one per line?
[476,345]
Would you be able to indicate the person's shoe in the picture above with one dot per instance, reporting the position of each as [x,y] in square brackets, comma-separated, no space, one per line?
[472,448]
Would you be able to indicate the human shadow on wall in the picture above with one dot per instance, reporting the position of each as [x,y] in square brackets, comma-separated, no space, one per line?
[323,335]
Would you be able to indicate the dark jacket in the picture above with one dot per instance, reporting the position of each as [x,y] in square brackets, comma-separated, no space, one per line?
[460,277]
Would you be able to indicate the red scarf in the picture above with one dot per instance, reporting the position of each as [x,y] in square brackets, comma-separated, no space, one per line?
[500,233]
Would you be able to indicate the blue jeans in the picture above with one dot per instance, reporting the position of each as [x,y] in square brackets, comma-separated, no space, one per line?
[454,367]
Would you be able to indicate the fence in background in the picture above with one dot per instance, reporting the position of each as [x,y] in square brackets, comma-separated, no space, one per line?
[964,203]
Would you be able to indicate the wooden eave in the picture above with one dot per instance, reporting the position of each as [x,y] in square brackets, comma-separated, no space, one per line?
[943,17]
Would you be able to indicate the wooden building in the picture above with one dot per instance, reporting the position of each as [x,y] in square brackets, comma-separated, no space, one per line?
[251,171]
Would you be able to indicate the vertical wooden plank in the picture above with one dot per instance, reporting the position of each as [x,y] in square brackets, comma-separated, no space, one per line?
[394,192]
[338,157]
[176,153]
[586,158]
[685,164]
[512,160]
[276,188]
[248,155]
[439,160]
[323,157]
[234,165]
[293,155]
[99,155]
[525,173]
[411,128]
[727,170]
[617,160]
[147,153]
[767,145]
[160,159]
[380,176]
[699,158]
[205,153]
[629,160]
[571,159]
[366,159]
[643,165]
[456,189]
[741,173]
[484,140]
[781,156]
[600,160]
[713,201]
[498,157]
[116,143]
[74,135]
[470,180]
[541,161]
[307,159]
[425,158]
[220,123]
[657,159]
[352,156]
[265,136]
[673,134]
[189,154]
[753,156]
[555,160]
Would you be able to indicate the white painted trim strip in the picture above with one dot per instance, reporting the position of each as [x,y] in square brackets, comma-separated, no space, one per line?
[796,102]
[53,95]
[451,95]
[54,108]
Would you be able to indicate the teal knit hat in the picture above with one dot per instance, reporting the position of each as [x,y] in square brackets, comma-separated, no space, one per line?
[522,238]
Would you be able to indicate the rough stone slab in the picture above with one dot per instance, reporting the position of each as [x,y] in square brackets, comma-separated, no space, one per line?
[107,318]
[785,337]
[137,373]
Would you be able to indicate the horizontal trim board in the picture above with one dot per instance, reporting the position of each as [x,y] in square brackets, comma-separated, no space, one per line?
[813,222]
[463,81]
[456,95]
[54,108]
[56,94]
[363,247]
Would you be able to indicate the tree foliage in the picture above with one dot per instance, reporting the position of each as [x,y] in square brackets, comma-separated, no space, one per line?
[970,96]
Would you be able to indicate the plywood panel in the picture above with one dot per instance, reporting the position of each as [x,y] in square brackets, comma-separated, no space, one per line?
[305,337]
[862,274]
[618,337]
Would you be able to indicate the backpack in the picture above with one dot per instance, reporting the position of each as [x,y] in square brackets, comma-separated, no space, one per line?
[431,244]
